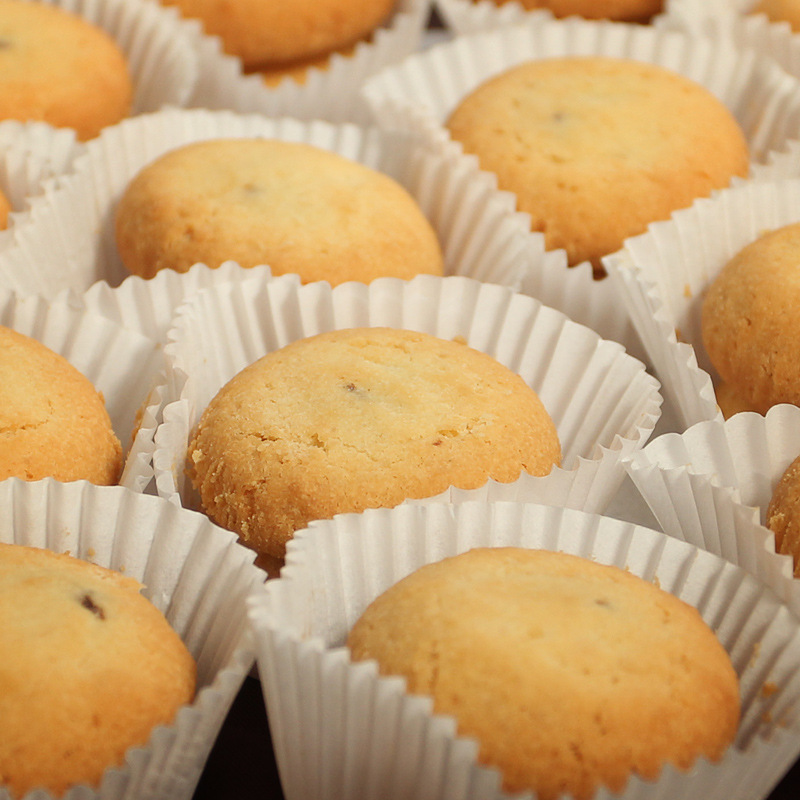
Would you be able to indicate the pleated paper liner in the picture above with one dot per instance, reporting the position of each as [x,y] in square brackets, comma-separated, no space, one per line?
[662,275]
[602,401]
[67,239]
[471,16]
[739,22]
[711,485]
[332,720]
[192,570]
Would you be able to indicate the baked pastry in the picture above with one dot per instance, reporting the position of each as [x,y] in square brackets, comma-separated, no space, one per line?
[749,321]
[360,418]
[53,422]
[780,11]
[5,210]
[56,67]
[89,667]
[596,148]
[296,207]
[783,514]
[263,32]
[571,675]
[619,10]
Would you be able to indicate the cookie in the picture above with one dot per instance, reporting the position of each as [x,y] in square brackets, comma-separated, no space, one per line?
[780,11]
[262,33]
[596,148]
[619,10]
[783,514]
[89,667]
[56,67]
[53,422]
[572,675]
[295,207]
[749,321]
[360,418]
[5,210]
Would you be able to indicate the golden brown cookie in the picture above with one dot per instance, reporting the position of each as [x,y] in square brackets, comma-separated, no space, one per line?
[296,207]
[780,11]
[262,32]
[89,667]
[783,514]
[620,10]
[53,422]
[5,210]
[729,400]
[596,148]
[750,325]
[571,675]
[56,67]
[361,418]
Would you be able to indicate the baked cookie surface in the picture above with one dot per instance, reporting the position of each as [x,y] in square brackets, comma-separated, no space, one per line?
[53,422]
[295,207]
[749,321]
[89,667]
[620,10]
[360,418]
[596,148]
[571,675]
[783,514]
[56,67]
[263,32]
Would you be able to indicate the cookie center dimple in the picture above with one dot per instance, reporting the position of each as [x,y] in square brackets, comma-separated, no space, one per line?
[88,603]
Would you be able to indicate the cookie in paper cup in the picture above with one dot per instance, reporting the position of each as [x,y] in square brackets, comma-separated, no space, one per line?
[121,364]
[329,91]
[421,92]
[67,239]
[160,53]
[192,571]
[300,635]
[601,400]
[712,485]
[663,276]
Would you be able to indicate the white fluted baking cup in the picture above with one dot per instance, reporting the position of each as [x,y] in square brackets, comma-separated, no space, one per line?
[468,16]
[192,571]
[330,93]
[661,277]
[67,240]
[122,364]
[601,399]
[711,485]
[339,730]
[737,21]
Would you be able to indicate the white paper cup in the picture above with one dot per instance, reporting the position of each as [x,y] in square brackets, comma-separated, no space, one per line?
[662,276]
[67,239]
[711,486]
[341,731]
[602,401]
[466,16]
[121,363]
[330,93]
[736,21]
[192,570]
